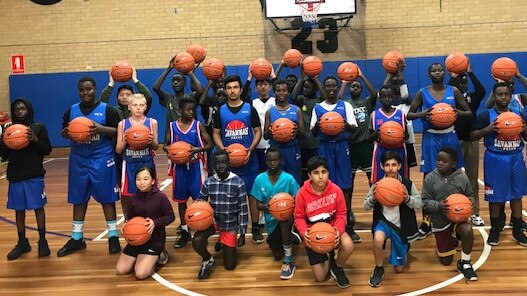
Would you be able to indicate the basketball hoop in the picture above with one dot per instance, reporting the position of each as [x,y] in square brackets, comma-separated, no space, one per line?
[309,11]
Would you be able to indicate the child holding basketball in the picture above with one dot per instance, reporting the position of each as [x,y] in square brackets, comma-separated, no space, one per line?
[266,185]
[443,181]
[320,200]
[134,159]
[227,195]
[25,173]
[153,205]
[188,178]
[395,223]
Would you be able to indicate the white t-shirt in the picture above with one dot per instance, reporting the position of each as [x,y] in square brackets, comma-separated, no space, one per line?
[350,118]
[262,108]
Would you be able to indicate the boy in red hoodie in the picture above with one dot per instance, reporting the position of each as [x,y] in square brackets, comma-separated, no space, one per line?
[319,200]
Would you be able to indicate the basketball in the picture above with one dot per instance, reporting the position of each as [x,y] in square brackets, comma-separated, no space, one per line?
[179,152]
[79,129]
[4,116]
[281,206]
[504,69]
[391,135]
[459,206]
[137,136]
[442,115]
[15,136]
[261,68]
[389,192]
[213,69]
[509,126]
[237,154]
[199,215]
[282,129]
[134,231]
[390,60]
[331,123]
[198,52]
[292,58]
[184,62]
[322,236]
[121,71]
[312,66]
[348,71]
[456,62]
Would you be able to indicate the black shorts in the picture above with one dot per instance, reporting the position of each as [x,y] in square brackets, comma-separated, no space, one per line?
[274,239]
[144,249]
[316,258]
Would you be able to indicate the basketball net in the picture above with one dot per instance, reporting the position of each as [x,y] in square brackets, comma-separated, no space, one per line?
[309,12]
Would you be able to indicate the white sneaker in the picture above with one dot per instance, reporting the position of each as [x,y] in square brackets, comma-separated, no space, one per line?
[476,220]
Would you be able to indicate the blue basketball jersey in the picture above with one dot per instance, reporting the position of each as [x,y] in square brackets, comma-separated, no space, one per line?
[143,155]
[492,143]
[429,101]
[192,136]
[292,114]
[99,144]
[340,109]
[379,118]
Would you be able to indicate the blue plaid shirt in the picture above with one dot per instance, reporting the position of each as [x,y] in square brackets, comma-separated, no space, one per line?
[228,198]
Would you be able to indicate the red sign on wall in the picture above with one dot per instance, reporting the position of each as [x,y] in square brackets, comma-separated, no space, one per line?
[17,64]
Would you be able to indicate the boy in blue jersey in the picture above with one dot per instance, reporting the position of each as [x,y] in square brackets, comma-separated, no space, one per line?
[503,168]
[92,170]
[265,186]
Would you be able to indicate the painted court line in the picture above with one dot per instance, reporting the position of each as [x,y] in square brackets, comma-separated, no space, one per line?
[173,286]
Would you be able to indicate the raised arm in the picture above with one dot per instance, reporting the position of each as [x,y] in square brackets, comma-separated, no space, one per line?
[162,77]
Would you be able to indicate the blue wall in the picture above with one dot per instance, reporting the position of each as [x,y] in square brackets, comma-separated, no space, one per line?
[52,94]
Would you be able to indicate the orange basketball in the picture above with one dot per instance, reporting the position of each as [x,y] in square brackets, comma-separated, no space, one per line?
[322,236]
[4,116]
[504,69]
[459,207]
[79,129]
[509,125]
[237,154]
[331,123]
[137,136]
[390,60]
[213,69]
[179,152]
[261,68]
[121,71]
[389,192]
[348,71]
[456,62]
[134,231]
[184,62]
[442,115]
[391,135]
[312,66]
[198,52]
[282,129]
[15,136]
[292,58]
[199,215]
[281,206]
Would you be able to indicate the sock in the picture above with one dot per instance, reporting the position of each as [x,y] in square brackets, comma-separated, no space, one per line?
[426,220]
[77,230]
[112,228]
[465,257]
[494,223]
[184,227]
[42,233]
[22,235]
[288,252]
[255,225]
[262,219]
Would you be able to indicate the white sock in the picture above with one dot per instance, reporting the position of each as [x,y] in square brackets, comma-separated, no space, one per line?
[184,227]
[465,257]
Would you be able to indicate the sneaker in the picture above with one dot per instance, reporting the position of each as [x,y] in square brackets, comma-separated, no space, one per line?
[43,248]
[339,275]
[520,238]
[424,231]
[179,229]
[295,238]
[71,246]
[113,245]
[376,276]
[476,220]
[206,269]
[163,258]
[494,237]
[184,238]
[354,236]
[524,225]
[288,270]
[466,269]
[257,236]
[21,247]
[218,247]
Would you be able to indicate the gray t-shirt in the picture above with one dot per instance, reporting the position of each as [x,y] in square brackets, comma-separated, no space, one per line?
[307,105]
[362,109]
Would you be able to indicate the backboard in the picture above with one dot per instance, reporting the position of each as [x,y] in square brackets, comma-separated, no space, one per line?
[290,8]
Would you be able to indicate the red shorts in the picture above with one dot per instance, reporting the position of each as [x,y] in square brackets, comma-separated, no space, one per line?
[447,241]
[227,238]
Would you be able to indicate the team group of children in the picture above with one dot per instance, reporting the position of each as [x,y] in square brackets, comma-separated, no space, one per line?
[316,168]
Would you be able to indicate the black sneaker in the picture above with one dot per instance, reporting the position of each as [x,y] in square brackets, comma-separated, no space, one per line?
[257,236]
[71,246]
[376,276]
[206,269]
[113,245]
[424,231]
[339,275]
[524,225]
[179,229]
[520,238]
[163,258]
[184,238]
[21,247]
[466,269]
[494,237]
[43,248]
[218,247]
[354,236]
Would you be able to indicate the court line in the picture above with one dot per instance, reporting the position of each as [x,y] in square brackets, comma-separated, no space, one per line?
[173,286]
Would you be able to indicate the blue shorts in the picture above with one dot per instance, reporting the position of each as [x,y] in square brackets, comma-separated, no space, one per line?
[95,177]
[291,161]
[187,181]
[398,249]
[505,176]
[26,195]
[432,143]
[128,170]
[377,171]
[249,181]
[339,162]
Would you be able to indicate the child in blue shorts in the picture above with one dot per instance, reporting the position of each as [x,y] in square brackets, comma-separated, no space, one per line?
[25,173]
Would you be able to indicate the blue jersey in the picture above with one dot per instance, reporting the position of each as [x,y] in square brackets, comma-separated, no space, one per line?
[192,136]
[379,118]
[492,143]
[340,109]
[292,114]
[99,144]
[143,155]
[429,101]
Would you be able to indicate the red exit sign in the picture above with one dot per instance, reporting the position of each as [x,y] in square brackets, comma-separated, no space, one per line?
[17,64]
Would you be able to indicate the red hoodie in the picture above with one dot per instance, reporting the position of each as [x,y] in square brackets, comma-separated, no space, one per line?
[311,207]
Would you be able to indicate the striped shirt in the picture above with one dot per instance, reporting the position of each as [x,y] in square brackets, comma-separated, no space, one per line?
[228,198]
